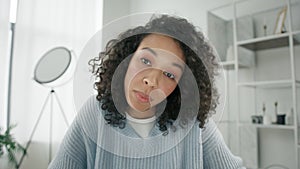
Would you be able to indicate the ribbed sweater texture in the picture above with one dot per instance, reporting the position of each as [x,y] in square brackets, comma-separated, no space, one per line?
[84,147]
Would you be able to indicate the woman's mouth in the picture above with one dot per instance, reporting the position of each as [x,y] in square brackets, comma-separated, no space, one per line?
[144,98]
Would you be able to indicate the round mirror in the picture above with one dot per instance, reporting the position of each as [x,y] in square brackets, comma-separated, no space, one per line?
[52,65]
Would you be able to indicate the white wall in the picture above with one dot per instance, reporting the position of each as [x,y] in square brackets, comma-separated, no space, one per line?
[114,9]
[194,10]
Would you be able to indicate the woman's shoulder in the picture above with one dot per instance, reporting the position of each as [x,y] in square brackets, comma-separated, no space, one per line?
[210,128]
[211,135]
[88,117]
[208,133]
[91,107]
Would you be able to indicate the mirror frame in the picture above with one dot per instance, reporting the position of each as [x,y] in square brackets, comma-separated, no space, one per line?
[43,57]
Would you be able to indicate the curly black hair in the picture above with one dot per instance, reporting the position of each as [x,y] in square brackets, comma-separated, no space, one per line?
[199,57]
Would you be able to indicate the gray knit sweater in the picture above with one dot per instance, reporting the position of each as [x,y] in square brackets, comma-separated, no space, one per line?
[91,143]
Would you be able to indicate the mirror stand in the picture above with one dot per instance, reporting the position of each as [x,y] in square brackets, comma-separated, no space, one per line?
[52,95]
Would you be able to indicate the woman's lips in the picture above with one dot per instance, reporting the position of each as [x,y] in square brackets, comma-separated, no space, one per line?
[142,97]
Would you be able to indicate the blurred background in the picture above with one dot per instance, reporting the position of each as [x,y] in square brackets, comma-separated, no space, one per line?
[257,42]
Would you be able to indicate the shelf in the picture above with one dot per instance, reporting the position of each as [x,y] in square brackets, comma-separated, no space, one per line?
[296,37]
[268,84]
[270,126]
[268,42]
[275,126]
[226,122]
[296,32]
[260,82]
[229,65]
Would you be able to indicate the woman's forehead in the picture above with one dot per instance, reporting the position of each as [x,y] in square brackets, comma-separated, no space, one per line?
[162,43]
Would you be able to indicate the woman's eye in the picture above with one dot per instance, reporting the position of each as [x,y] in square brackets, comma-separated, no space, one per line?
[146,61]
[169,75]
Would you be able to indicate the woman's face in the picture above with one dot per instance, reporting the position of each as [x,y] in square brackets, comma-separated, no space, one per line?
[153,72]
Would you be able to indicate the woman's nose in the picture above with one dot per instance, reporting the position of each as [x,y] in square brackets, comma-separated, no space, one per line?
[151,79]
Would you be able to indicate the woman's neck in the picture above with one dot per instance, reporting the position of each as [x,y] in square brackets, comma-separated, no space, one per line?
[141,115]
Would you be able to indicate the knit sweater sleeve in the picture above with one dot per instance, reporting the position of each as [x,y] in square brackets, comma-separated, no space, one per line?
[72,153]
[216,154]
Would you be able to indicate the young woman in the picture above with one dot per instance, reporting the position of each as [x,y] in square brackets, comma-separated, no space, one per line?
[156,92]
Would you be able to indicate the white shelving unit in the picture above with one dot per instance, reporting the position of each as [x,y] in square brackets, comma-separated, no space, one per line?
[230,65]
[270,126]
[268,84]
[241,25]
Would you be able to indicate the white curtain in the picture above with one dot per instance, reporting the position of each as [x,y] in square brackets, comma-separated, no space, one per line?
[4,58]
[40,26]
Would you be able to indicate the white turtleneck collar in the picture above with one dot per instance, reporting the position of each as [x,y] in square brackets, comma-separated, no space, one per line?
[141,126]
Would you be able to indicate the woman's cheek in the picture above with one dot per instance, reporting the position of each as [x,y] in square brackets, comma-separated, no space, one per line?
[168,89]
[133,69]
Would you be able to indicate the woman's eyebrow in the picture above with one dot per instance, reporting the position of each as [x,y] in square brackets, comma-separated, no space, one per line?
[155,54]
[178,65]
[150,50]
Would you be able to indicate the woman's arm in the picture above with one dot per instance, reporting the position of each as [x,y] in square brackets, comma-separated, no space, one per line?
[216,154]
[71,154]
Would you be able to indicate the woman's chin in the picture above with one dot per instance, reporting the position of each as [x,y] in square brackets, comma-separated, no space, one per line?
[141,109]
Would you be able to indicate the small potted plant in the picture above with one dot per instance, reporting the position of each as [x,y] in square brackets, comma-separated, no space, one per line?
[10,146]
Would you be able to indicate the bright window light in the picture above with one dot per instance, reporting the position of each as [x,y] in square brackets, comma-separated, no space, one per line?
[13,11]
